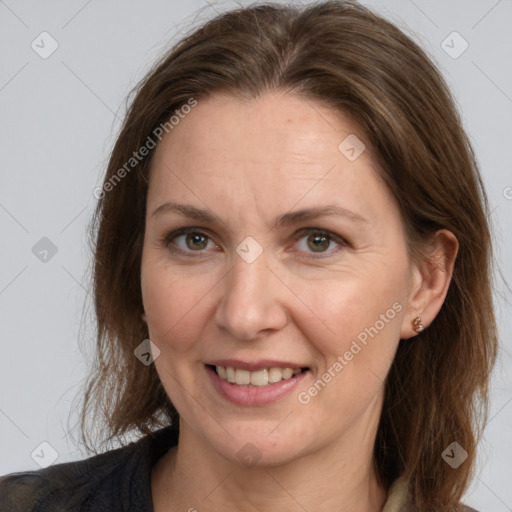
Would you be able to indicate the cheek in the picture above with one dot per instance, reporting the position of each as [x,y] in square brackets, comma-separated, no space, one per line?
[174,305]
[358,318]
[351,363]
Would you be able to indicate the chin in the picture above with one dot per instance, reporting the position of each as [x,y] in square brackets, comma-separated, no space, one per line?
[258,446]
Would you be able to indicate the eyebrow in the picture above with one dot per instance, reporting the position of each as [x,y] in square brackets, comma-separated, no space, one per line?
[286,219]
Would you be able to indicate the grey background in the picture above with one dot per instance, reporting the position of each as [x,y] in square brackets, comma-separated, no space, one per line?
[59,118]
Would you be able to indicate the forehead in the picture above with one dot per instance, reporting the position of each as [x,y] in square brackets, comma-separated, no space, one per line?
[277,148]
[275,125]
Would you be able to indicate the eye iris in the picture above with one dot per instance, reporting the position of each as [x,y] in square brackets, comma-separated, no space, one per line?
[318,242]
[198,241]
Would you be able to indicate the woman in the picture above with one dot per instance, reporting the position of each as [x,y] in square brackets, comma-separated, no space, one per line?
[292,280]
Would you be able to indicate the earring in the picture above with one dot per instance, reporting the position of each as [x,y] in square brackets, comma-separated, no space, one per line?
[417,325]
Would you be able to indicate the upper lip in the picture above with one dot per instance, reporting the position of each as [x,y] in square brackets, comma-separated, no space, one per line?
[252,366]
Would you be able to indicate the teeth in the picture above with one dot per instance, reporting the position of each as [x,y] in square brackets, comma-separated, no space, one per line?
[242,377]
[287,373]
[275,374]
[256,378]
[259,378]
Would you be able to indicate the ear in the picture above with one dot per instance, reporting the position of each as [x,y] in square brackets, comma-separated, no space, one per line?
[431,278]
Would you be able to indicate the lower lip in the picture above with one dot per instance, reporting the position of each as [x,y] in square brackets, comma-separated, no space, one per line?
[253,395]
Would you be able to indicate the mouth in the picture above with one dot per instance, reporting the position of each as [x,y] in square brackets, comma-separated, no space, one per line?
[255,384]
[260,378]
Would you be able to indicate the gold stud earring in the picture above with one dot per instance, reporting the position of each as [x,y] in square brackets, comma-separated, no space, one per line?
[417,325]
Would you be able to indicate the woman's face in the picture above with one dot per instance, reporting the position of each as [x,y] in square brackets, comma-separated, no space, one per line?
[254,285]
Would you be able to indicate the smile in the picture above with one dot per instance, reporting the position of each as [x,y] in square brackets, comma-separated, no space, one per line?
[257,386]
[263,377]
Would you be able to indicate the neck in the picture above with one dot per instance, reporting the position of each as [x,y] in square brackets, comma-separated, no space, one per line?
[341,477]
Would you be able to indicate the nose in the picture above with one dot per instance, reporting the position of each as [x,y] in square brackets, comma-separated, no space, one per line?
[252,301]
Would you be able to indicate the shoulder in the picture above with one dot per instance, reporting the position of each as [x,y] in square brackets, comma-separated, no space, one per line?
[115,480]
[59,487]
[30,491]
[18,491]
[398,499]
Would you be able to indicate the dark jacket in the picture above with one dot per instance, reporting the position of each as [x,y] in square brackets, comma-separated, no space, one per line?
[115,481]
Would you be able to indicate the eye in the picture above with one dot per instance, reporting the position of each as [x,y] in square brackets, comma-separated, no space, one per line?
[188,240]
[318,241]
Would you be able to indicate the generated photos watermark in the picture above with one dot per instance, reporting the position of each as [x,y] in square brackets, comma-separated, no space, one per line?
[304,397]
[144,150]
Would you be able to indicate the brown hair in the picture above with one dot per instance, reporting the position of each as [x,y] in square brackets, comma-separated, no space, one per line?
[342,54]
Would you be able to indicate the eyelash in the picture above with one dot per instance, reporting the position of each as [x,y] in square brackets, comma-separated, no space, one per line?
[166,241]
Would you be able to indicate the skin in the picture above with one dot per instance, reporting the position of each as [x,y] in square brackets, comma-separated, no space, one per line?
[248,162]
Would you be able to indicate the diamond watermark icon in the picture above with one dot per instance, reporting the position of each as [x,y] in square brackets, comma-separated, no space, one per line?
[454,45]
[44,455]
[44,45]
[454,455]
[147,352]
[351,147]
[249,454]
[44,250]
[249,249]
